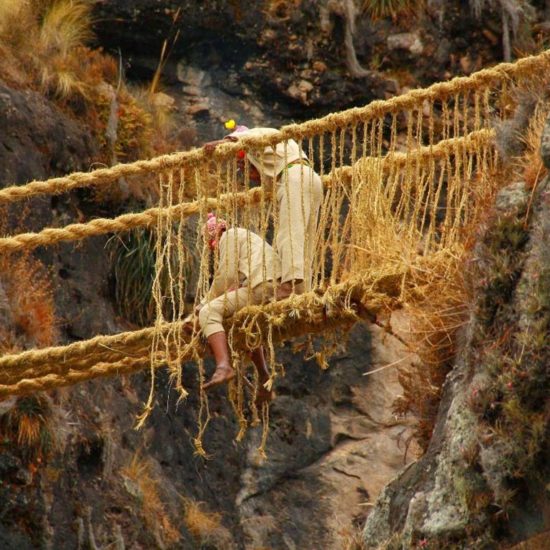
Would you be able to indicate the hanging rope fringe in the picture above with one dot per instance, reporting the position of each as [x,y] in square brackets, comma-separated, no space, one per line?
[484,79]
[383,195]
[36,370]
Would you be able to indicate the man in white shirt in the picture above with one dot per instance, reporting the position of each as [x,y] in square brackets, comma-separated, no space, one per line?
[299,193]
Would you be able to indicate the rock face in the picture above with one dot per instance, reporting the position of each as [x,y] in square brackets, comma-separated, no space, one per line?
[267,48]
[481,461]
[265,63]
[345,446]
[38,140]
[332,447]
[333,444]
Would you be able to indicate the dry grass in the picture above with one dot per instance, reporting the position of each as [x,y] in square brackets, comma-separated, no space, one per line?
[438,313]
[153,511]
[43,46]
[44,38]
[30,303]
[206,527]
[530,164]
[352,539]
[64,26]
[17,21]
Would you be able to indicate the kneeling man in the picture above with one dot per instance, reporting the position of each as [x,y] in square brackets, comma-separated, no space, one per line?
[247,273]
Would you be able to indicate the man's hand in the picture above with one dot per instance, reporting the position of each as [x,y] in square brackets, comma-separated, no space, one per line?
[210,146]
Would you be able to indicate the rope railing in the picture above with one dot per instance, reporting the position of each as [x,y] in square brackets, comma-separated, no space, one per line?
[401,181]
[332,122]
[150,217]
[38,370]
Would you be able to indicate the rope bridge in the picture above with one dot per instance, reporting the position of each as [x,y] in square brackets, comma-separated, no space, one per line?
[403,181]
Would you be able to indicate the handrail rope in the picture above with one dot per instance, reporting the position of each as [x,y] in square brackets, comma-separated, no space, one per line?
[303,130]
[53,380]
[452,146]
[149,217]
[125,222]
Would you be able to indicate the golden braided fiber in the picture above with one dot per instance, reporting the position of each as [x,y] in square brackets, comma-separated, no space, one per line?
[465,144]
[378,108]
[303,314]
[150,217]
[60,354]
[78,362]
[53,380]
[101,226]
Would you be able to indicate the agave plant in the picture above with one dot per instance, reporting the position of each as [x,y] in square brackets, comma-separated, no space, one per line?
[378,9]
[133,258]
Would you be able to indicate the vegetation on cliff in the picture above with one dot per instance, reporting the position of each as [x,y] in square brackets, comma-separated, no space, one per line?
[44,46]
[74,472]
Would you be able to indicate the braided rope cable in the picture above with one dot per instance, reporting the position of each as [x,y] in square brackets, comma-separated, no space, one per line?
[148,218]
[54,380]
[36,370]
[444,148]
[125,222]
[331,122]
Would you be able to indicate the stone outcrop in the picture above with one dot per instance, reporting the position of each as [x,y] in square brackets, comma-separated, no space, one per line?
[346,445]
[484,478]
[268,62]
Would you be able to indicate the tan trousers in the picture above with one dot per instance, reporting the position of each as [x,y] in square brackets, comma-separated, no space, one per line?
[299,196]
[212,314]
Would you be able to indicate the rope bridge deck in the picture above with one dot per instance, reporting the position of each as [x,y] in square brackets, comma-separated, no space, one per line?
[402,180]
[128,352]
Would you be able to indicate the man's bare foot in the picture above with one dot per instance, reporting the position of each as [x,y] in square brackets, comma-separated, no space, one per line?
[286,289]
[263,396]
[222,375]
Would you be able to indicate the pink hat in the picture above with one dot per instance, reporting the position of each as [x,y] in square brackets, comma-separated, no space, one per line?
[212,226]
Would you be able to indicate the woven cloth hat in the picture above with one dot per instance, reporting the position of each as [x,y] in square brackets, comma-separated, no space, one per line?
[212,227]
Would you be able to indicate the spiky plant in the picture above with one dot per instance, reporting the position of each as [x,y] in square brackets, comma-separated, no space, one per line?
[64,25]
[28,427]
[133,261]
[378,9]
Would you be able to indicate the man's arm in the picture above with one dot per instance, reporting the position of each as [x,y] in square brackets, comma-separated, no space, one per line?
[210,146]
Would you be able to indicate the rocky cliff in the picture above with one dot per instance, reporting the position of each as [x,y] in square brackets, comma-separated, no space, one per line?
[80,476]
[484,478]
[266,62]
[87,479]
